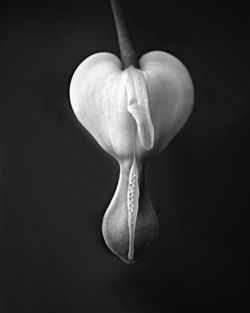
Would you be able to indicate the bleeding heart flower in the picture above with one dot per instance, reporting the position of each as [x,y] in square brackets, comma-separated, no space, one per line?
[132,113]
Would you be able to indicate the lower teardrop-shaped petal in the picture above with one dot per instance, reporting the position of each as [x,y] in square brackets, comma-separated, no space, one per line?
[116,227]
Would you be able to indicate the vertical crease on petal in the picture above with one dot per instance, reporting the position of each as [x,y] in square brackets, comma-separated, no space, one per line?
[138,107]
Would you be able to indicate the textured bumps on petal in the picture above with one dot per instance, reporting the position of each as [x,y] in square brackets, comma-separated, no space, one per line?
[138,106]
[132,206]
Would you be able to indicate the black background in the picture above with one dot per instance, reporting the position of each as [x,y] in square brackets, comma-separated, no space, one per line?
[57,183]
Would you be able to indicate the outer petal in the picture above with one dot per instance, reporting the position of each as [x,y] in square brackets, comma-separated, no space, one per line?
[98,98]
[170,94]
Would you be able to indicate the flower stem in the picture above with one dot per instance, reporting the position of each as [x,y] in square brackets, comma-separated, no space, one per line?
[127,52]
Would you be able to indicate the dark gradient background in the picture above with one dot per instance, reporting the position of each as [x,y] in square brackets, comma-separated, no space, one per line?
[57,182]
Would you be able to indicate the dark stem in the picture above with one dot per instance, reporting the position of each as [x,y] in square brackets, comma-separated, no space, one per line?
[128,54]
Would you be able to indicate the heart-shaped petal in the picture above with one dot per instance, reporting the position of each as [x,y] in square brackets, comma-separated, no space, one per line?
[100,94]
